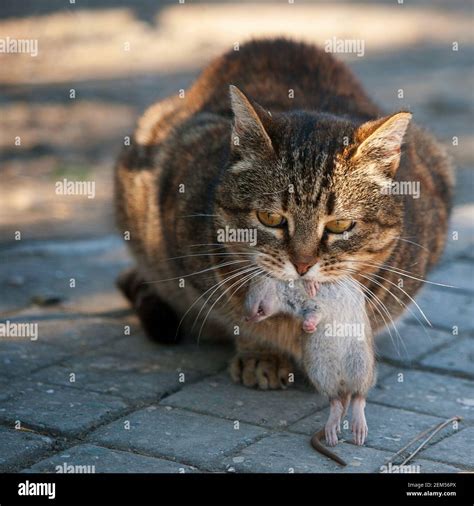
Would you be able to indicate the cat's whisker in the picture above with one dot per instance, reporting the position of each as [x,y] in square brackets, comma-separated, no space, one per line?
[379,307]
[206,254]
[219,285]
[245,273]
[266,275]
[247,278]
[402,304]
[216,285]
[214,267]
[374,299]
[219,244]
[412,242]
[376,264]
[408,295]
[403,274]
[199,215]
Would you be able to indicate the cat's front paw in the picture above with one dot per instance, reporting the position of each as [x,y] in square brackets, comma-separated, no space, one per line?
[264,371]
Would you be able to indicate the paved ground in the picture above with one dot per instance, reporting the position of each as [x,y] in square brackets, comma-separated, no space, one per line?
[92,390]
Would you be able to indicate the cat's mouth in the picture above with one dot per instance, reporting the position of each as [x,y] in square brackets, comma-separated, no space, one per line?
[317,276]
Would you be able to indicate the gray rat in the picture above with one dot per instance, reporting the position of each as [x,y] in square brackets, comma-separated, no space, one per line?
[338,354]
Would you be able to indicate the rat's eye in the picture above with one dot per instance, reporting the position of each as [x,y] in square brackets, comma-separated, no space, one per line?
[271,219]
[339,226]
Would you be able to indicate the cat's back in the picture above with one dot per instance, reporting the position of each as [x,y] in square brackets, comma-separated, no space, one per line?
[280,74]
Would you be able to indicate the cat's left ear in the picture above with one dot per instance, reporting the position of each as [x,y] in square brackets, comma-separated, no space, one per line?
[250,122]
[380,143]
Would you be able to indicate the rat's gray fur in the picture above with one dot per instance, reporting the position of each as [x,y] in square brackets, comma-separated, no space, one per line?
[337,363]
[340,363]
[338,357]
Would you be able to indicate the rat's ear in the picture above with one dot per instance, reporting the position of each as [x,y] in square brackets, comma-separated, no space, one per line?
[248,130]
[380,144]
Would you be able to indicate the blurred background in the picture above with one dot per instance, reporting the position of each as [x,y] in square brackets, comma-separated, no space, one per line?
[120,56]
[64,114]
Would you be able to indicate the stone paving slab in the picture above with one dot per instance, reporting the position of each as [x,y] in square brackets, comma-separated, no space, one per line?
[219,396]
[456,449]
[445,308]
[285,453]
[22,282]
[188,437]
[425,392]
[458,357]
[19,358]
[202,357]
[458,274]
[57,409]
[389,428]
[384,370]
[107,374]
[430,466]
[104,460]
[461,229]
[81,334]
[17,447]
[412,342]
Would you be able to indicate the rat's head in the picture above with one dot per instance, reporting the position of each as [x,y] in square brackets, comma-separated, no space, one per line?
[261,300]
[314,188]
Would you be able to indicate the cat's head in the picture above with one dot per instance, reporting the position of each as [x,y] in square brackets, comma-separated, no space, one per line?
[314,187]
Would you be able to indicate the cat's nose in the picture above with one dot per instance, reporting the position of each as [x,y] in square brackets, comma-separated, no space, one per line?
[302,267]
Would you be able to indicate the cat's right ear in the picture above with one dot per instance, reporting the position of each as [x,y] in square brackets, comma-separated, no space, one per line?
[248,129]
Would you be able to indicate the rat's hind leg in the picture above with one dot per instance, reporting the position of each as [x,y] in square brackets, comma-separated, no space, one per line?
[346,400]
[333,425]
[158,319]
[359,425]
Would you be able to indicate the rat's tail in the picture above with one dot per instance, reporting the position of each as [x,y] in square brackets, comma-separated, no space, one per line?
[319,447]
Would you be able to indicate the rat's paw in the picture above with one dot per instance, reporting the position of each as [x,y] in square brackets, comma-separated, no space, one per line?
[330,433]
[264,371]
[359,430]
[311,287]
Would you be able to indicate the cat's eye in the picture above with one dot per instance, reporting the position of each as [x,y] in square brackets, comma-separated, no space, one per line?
[339,226]
[271,219]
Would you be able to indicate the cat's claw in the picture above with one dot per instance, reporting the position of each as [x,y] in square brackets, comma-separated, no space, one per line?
[264,371]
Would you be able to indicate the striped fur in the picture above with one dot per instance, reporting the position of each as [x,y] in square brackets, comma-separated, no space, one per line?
[323,154]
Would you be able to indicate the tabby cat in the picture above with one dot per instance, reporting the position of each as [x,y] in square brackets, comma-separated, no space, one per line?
[277,139]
